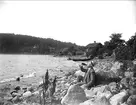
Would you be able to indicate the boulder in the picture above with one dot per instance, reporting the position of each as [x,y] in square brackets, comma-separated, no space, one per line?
[124,103]
[27,94]
[117,68]
[118,98]
[104,77]
[125,82]
[74,96]
[131,100]
[88,102]
[128,74]
[114,87]
[108,71]
[94,90]
[100,101]
[106,94]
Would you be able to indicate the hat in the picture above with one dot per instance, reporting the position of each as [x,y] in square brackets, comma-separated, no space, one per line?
[84,64]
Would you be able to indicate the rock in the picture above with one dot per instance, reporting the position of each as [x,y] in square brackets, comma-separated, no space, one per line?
[114,88]
[16,99]
[8,98]
[94,90]
[124,103]
[31,89]
[118,98]
[79,72]
[30,75]
[106,94]
[17,88]
[132,82]
[67,84]
[88,102]
[7,103]
[63,78]
[132,91]
[18,79]
[63,82]
[99,91]
[102,101]
[131,100]
[69,73]
[128,74]
[116,68]
[33,74]
[83,86]
[27,94]
[21,75]
[36,93]
[74,96]
[107,71]
[70,77]
[106,76]
[125,82]
[99,101]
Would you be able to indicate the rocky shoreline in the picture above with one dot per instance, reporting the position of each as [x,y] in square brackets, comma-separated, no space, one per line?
[111,93]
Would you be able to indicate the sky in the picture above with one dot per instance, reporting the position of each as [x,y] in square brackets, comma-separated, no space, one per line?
[80,22]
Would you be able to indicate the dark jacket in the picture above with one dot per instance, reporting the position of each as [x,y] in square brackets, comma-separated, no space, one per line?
[90,78]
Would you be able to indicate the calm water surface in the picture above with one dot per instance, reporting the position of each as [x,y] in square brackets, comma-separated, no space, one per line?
[14,65]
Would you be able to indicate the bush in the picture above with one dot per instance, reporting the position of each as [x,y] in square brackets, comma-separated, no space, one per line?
[123,52]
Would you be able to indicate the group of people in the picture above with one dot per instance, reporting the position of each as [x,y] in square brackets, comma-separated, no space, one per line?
[89,79]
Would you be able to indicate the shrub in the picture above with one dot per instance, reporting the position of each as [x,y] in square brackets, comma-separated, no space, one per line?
[123,52]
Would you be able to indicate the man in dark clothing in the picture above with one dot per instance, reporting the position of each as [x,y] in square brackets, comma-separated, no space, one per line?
[89,78]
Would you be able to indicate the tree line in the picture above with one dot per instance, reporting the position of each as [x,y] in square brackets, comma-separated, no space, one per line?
[122,50]
[15,43]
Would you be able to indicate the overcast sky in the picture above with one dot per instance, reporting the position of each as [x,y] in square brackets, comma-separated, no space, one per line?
[80,22]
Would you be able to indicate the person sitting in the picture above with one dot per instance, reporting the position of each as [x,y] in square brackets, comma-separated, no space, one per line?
[89,78]
[83,68]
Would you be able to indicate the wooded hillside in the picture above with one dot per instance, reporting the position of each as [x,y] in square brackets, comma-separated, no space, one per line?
[14,43]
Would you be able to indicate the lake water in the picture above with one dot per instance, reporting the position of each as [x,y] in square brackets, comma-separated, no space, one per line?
[13,65]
